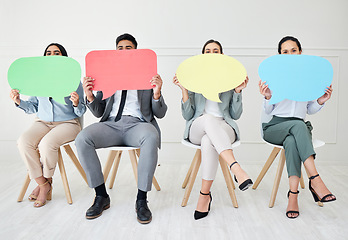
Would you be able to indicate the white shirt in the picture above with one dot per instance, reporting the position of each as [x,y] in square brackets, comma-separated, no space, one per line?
[131,107]
[289,108]
[212,108]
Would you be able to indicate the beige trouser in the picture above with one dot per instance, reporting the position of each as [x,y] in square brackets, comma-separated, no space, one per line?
[44,139]
[214,135]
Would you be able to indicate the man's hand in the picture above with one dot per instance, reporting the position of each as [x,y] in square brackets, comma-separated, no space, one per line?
[88,84]
[157,82]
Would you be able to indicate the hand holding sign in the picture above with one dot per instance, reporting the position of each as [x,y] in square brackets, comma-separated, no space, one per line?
[211,74]
[121,70]
[296,77]
[47,76]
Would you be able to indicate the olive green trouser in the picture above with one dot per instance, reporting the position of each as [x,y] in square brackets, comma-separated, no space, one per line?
[295,136]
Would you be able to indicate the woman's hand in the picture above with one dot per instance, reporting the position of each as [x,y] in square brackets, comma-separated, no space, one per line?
[14,95]
[74,98]
[264,90]
[242,86]
[326,96]
[184,90]
[177,83]
[157,82]
[88,84]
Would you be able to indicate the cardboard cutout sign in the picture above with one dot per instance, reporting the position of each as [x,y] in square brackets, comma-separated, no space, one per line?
[296,77]
[46,76]
[121,69]
[211,74]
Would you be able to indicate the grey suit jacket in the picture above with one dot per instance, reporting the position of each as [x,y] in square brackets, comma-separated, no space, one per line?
[230,106]
[149,107]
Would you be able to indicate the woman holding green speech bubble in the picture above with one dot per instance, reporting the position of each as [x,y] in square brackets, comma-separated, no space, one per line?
[211,125]
[288,128]
[55,125]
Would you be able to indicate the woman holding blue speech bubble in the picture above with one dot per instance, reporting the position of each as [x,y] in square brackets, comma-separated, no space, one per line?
[211,125]
[288,128]
[55,125]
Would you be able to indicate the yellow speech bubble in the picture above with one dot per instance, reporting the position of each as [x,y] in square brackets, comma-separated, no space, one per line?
[211,74]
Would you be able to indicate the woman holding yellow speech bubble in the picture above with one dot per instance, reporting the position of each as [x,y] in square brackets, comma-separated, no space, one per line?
[288,128]
[211,125]
[55,125]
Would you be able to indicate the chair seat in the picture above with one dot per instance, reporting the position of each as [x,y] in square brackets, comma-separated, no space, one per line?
[191,145]
[316,144]
[122,148]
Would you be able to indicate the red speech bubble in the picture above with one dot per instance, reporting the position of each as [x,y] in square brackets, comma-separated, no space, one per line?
[121,69]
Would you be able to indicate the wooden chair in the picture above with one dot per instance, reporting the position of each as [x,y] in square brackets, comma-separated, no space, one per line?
[276,149]
[193,170]
[63,175]
[114,158]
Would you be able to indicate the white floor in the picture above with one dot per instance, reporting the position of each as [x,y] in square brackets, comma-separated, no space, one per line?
[252,220]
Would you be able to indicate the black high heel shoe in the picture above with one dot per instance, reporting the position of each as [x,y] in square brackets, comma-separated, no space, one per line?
[316,196]
[292,211]
[246,184]
[198,214]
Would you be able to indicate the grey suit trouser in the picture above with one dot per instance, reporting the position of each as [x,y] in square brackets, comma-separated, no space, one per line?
[128,131]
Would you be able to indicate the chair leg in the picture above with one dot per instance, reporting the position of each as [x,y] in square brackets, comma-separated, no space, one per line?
[155,184]
[64,177]
[76,162]
[302,182]
[24,188]
[277,179]
[137,152]
[267,165]
[134,162]
[154,180]
[193,175]
[229,182]
[114,170]
[320,204]
[109,163]
[229,176]
[184,184]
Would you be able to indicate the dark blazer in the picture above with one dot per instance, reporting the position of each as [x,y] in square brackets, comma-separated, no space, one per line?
[149,107]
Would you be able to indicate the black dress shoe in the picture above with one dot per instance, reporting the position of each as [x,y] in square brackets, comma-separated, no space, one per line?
[100,204]
[143,212]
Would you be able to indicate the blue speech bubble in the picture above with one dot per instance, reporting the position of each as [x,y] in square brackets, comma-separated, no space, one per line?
[296,77]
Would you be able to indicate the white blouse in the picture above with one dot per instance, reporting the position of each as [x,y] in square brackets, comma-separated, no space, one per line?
[290,108]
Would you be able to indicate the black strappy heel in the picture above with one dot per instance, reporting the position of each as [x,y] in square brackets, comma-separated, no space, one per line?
[246,184]
[316,196]
[198,214]
[292,211]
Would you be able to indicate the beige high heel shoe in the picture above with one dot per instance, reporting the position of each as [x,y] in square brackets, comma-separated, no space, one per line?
[32,197]
[38,203]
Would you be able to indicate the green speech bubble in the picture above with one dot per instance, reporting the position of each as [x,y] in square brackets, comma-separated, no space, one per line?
[46,76]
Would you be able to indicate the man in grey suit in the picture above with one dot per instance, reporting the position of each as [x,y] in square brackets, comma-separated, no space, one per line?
[127,119]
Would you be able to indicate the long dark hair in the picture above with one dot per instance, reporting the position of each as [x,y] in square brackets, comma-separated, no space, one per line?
[212,41]
[287,38]
[61,49]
